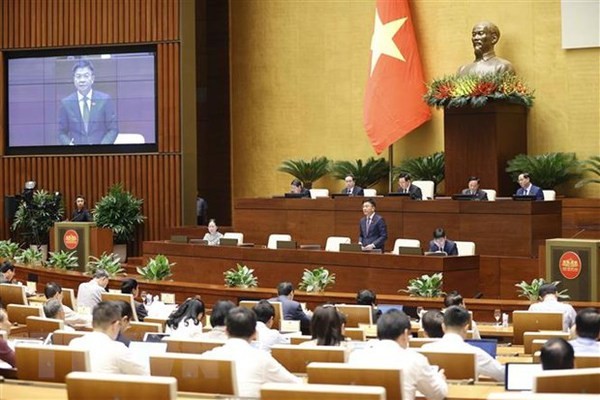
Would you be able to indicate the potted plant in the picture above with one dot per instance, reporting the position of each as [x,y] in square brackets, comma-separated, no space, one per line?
[31,256]
[546,170]
[242,277]
[306,171]
[316,280]
[157,269]
[120,211]
[110,263]
[35,217]
[365,175]
[591,165]
[425,286]
[531,290]
[9,250]
[427,168]
[63,260]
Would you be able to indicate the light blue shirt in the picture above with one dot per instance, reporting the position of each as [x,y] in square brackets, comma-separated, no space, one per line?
[585,345]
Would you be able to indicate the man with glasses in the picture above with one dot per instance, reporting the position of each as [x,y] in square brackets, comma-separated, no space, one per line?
[351,189]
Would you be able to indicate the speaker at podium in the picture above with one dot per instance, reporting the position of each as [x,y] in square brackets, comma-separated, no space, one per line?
[85,238]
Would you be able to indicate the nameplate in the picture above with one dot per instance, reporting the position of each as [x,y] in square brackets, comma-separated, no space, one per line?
[289,326]
[370,330]
[31,287]
[167,298]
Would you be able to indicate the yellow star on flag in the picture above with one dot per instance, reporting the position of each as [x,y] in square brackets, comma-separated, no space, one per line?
[383,42]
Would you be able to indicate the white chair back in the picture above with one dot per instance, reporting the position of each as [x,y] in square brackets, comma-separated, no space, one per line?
[491,194]
[370,192]
[234,235]
[405,243]
[426,187]
[314,193]
[465,248]
[333,242]
[275,237]
[549,195]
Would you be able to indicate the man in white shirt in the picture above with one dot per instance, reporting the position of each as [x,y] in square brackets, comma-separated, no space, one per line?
[52,290]
[550,303]
[456,323]
[253,367]
[106,354]
[90,293]
[54,309]
[267,337]
[587,327]
[393,332]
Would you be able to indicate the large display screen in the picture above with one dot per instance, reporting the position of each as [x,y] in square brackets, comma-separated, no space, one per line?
[97,100]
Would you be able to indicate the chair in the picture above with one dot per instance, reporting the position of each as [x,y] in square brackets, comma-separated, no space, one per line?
[405,243]
[491,194]
[531,321]
[275,237]
[351,374]
[191,346]
[296,358]
[130,138]
[120,386]
[357,334]
[18,313]
[315,193]
[456,365]
[528,338]
[137,330]
[587,361]
[40,327]
[196,374]
[289,391]
[420,341]
[69,298]
[276,305]
[585,380]
[49,363]
[126,297]
[549,195]
[158,320]
[356,314]
[63,338]
[369,192]
[300,339]
[427,188]
[465,248]
[12,294]
[234,235]
[333,242]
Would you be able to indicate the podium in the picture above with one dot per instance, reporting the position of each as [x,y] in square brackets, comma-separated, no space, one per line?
[479,142]
[85,238]
[575,262]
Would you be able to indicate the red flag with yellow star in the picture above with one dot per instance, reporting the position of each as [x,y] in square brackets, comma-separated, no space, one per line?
[394,103]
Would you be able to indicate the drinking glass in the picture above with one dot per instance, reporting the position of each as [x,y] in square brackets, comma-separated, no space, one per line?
[497,315]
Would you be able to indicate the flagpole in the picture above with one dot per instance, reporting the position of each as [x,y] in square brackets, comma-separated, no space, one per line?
[391,160]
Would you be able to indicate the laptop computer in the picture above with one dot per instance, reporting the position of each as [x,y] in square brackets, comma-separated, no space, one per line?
[339,195]
[199,241]
[520,376]
[529,197]
[155,337]
[410,250]
[462,196]
[488,345]
[436,253]
[398,194]
[228,242]
[355,247]
[293,195]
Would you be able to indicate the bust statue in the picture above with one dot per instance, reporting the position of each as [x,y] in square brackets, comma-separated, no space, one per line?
[484,37]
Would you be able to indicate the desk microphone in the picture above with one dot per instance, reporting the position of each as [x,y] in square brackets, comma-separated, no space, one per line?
[578,233]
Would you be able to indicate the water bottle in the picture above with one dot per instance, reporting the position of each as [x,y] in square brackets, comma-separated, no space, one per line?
[505,320]
[148,299]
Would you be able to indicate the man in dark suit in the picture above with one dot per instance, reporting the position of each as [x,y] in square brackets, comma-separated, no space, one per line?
[86,116]
[292,310]
[351,189]
[529,189]
[440,243]
[298,187]
[404,181]
[474,190]
[373,231]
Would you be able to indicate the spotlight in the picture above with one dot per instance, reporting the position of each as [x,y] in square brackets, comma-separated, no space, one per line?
[30,185]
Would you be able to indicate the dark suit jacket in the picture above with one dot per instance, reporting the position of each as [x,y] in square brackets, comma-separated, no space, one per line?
[533,191]
[449,247]
[377,234]
[292,310]
[415,192]
[102,126]
[356,191]
[479,195]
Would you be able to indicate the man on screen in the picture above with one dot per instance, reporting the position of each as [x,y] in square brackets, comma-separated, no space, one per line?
[86,116]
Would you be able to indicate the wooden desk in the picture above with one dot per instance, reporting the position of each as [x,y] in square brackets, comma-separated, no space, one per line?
[495,331]
[470,392]
[312,221]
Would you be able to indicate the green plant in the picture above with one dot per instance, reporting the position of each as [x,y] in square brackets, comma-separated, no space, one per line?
[35,217]
[365,175]
[591,165]
[531,290]
[316,280]
[110,263]
[9,250]
[63,260]
[242,277]
[157,269]
[427,168]
[306,171]
[120,211]
[425,286]
[545,170]
[30,256]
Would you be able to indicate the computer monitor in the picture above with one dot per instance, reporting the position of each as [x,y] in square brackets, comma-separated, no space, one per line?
[293,195]
[410,250]
[436,253]
[462,196]
[398,194]
[520,376]
[487,345]
[356,247]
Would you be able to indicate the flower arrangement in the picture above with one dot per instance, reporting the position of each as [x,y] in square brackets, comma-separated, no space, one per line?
[476,90]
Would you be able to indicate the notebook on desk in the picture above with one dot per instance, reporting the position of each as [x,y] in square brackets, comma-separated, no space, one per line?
[520,376]
[523,197]
[488,345]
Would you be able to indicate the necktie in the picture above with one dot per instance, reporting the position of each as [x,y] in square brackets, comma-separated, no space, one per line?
[86,113]
[368,224]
